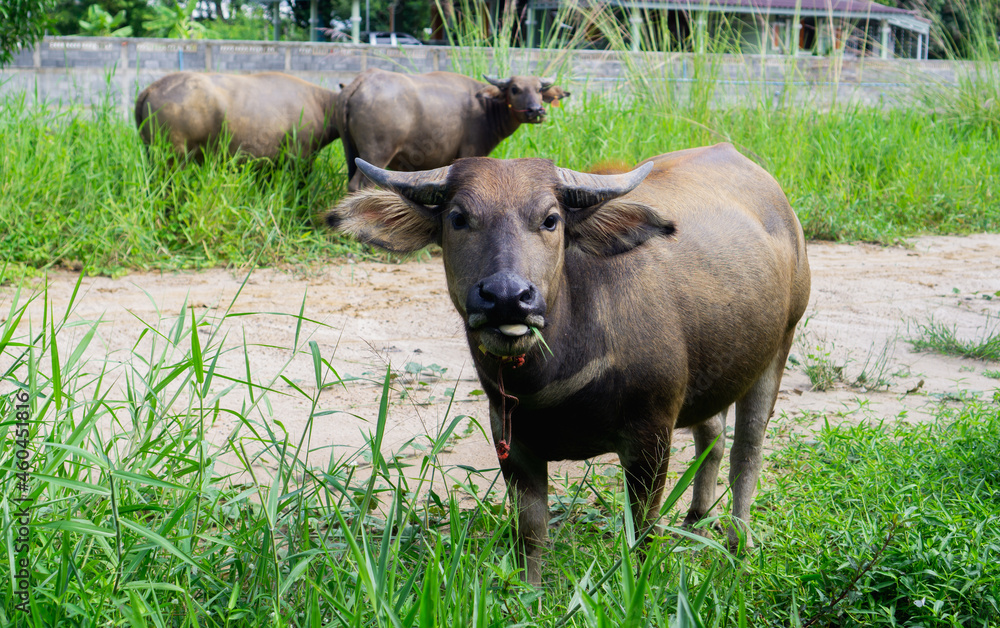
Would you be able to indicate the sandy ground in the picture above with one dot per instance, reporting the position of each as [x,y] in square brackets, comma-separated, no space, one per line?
[367,317]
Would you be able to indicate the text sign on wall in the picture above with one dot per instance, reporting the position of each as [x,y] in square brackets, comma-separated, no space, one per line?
[80,45]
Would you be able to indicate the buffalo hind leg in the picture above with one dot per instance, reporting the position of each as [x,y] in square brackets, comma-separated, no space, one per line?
[706,435]
[378,156]
[753,412]
[354,175]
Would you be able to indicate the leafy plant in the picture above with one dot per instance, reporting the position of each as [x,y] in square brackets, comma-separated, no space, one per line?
[100,23]
[175,20]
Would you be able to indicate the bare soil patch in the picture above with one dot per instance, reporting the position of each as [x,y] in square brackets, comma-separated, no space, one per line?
[367,317]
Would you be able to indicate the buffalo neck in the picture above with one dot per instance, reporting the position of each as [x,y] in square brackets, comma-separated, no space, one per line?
[500,124]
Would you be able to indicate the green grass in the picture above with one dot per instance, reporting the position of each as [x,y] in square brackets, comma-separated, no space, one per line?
[885,524]
[77,189]
[139,518]
[940,338]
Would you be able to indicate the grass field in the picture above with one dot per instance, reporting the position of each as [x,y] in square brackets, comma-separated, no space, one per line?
[139,519]
[78,190]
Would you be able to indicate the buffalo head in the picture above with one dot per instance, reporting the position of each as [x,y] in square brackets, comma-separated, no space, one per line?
[504,227]
[524,95]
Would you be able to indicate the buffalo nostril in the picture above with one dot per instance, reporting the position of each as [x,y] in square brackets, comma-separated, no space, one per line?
[528,295]
[486,295]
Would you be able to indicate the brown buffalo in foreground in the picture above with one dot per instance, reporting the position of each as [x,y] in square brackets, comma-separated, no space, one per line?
[665,294]
[423,121]
[262,114]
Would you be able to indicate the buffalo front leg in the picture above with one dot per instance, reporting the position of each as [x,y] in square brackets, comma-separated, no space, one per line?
[527,485]
[753,412]
[707,435]
[645,475]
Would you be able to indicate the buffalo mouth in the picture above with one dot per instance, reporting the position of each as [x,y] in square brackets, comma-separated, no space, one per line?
[538,118]
[505,339]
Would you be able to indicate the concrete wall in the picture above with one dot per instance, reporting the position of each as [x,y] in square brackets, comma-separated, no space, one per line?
[87,70]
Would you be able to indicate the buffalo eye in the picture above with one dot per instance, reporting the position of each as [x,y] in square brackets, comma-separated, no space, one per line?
[550,222]
[515,90]
[458,221]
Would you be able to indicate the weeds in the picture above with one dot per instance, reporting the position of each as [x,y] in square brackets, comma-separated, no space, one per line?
[822,371]
[940,338]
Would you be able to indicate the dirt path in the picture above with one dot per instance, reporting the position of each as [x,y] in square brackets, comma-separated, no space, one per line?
[365,316]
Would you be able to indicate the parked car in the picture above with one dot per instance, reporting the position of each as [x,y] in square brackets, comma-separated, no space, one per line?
[382,38]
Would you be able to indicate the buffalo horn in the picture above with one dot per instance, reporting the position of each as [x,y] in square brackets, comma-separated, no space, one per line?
[579,189]
[547,83]
[498,83]
[426,187]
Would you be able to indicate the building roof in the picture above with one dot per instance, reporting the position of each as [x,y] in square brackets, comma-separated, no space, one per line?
[851,9]
[852,6]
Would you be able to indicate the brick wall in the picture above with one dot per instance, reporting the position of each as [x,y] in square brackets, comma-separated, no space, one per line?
[88,69]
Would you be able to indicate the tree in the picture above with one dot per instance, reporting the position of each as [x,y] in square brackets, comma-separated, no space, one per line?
[24,24]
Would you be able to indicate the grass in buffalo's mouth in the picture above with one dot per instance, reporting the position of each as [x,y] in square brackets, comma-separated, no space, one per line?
[941,338]
[140,516]
[537,333]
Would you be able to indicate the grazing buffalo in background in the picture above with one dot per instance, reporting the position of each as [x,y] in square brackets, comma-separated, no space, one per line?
[665,294]
[263,114]
[423,121]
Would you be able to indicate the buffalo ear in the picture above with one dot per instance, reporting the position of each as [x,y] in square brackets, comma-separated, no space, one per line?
[615,227]
[386,220]
[490,92]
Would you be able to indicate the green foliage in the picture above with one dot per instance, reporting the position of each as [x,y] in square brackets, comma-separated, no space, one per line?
[886,525]
[67,15]
[175,20]
[24,23]
[79,190]
[100,23]
[253,23]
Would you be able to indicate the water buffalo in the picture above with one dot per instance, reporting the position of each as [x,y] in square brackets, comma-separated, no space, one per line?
[423,121]
[664,294]
[262,114]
